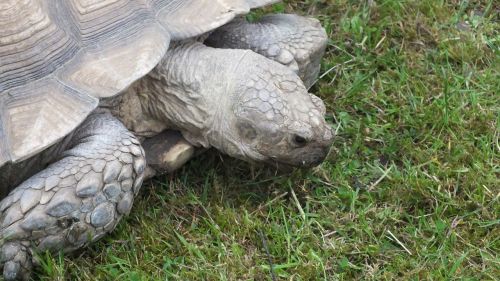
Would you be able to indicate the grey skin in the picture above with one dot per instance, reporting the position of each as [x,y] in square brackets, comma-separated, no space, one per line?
[240,102]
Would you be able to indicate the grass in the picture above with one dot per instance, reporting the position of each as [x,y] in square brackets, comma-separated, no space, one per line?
[409,192]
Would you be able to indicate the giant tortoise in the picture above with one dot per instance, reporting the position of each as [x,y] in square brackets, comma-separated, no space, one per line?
[87,86]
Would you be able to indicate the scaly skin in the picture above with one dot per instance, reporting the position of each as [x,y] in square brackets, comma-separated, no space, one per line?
[294,41]
[75,200]
[237,101]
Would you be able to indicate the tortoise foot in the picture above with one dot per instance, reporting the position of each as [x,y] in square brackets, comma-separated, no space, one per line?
[74,201]
[294,41]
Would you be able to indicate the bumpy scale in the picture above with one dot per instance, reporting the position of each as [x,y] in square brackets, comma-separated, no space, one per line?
[75,200]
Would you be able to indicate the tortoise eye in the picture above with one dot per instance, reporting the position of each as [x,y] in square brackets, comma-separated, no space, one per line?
[299,140]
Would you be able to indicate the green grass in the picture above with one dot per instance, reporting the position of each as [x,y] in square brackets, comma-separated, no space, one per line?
[410,190]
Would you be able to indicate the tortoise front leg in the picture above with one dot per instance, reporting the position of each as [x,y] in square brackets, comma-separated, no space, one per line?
[294,41]
[75,200]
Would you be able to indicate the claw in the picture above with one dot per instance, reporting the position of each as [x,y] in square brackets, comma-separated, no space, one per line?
[285,57]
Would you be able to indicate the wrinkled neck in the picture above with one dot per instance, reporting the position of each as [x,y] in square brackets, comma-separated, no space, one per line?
[193,90]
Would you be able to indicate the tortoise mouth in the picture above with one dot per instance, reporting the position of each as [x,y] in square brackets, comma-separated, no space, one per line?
[281,166]
[308,161]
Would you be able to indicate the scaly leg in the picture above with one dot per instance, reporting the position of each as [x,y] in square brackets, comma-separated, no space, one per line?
[75,200]
[294,41]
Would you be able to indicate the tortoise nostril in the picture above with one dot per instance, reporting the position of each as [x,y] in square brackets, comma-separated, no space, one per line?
[299,140]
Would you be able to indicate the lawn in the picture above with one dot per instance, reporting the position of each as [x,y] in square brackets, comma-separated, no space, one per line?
[410,190]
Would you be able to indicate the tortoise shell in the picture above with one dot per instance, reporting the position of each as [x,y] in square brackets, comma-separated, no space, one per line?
[59,57]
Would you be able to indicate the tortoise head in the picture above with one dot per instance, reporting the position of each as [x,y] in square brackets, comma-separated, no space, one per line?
[239,102]
[275,119]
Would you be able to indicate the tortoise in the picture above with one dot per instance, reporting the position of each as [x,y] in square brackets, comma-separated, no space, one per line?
[96,96]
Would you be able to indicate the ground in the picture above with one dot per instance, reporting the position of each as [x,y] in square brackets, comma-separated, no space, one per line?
[410,189]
